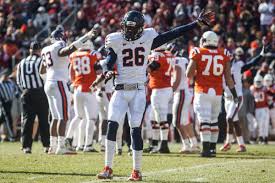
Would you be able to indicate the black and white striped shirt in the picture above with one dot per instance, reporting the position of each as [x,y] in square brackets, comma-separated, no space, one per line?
[8,90]
[28,73]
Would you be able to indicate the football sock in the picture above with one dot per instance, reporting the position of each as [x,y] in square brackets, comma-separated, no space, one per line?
[109,152]
[193,141]
[89,132]
[137,158]
[164,134]
[240,140]
[103,140]
[53,141]
[61,141]
[229,138]
[185,143]
[155,136]
[214,137]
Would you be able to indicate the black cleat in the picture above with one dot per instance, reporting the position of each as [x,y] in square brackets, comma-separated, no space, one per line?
[164,147]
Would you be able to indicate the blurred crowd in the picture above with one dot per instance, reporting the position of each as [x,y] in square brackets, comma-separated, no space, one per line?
[239,23]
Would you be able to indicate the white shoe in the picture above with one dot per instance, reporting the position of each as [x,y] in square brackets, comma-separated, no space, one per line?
[186,150]
[52,150]
[195,149]
[64,150]
[89,149]
[154,150]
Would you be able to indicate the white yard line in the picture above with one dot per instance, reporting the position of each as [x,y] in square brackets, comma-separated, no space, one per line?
[182,169]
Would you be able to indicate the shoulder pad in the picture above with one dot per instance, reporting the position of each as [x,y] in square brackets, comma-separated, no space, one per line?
[111,38]
[150,32]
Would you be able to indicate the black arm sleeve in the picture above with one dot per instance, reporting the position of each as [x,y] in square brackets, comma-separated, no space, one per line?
[251,63]
[172,34]
[111,59]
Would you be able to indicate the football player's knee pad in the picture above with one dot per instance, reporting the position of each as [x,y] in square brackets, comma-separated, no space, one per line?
[112,130]
[104,127]
[169,118]
[137,142]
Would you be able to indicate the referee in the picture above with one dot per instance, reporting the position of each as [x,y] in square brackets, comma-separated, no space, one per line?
[8,91]
[34,100]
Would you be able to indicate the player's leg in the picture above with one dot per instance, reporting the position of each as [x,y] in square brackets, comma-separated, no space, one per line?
[272,116]
[259,117]
[118,106]
[266,120]
[50,90]
[148,127]
[178,103]
[79,114]
[102,102]
[202,108]
[91,108]
[136,109]
[214,128]
[119,136]
[229,108]
[62,100]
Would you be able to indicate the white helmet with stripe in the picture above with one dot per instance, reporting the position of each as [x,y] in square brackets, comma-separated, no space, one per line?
[268,80]
[209,38]
[258,81]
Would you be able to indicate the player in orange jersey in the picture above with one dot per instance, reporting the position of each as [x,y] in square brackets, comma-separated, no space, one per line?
[262,111]
[160,83]
[83,74]
[208,64]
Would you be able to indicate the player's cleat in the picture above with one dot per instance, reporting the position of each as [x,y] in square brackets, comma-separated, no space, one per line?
[27,150]
[154,150]
[64,151]
[213,149]
[164,149]
[241,148]
[207,154]
[135,176]
[225,147]
[106,173]
[195,149]
[52,150]
[79,148]
[89,149]
[148,150]
[102,148]
[119,152]
[46,150]
[186,150]
[68,144]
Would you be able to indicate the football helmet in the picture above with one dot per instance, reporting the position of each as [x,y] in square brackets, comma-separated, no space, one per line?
[268,80]
[132,25]
[209,38]
[258,81]
[58,34]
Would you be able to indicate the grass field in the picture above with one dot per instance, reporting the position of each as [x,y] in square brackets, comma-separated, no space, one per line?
[257,165]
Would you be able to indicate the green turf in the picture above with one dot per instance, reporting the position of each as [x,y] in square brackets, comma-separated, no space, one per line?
[257,165]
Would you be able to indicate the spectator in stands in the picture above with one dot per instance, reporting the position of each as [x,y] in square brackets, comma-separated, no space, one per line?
[266,8]
[42,18]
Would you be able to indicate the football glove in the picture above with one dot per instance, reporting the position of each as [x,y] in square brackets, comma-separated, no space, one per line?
[206,18]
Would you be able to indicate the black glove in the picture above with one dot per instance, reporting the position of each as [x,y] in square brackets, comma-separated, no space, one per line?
[206,18]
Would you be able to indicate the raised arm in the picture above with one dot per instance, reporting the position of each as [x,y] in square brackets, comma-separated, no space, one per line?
[203,19]
[66,51]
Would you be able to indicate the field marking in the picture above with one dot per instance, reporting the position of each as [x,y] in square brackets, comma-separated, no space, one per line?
[182,169]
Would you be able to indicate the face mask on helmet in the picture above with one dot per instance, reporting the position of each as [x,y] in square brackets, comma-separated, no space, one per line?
[258,81]
[132,25]
[268,80]
[58,35]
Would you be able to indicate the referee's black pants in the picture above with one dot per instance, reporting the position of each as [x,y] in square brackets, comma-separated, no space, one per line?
[34,102]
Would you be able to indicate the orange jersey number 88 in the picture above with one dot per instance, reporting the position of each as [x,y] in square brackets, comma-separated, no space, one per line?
[212,60]
[82,65]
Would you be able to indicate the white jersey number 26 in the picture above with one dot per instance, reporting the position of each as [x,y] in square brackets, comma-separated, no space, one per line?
[212,60]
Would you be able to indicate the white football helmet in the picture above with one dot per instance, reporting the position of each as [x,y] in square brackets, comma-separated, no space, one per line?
[258,81]
[209,38]
[268,80]
[88,45]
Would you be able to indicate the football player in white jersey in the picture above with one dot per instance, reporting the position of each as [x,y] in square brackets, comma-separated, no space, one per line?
[238,66]
[129,50]
[56,62]
[182,102]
